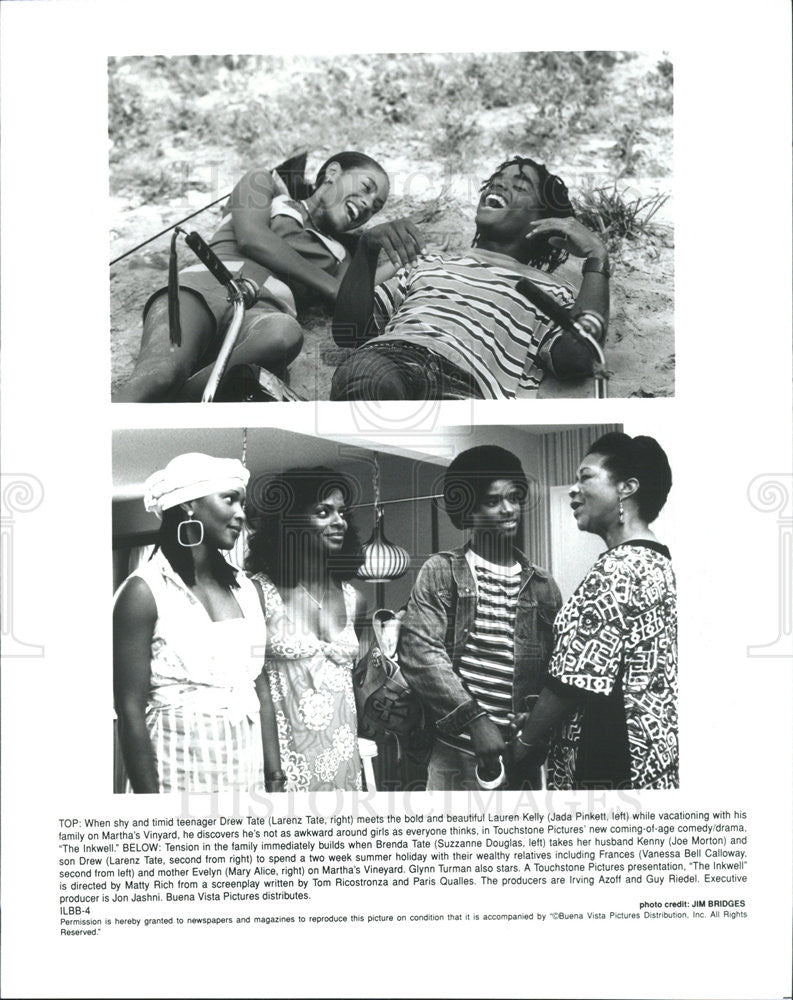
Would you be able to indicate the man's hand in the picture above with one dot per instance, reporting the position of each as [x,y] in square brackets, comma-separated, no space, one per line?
[570,235]
[516,723]
[400,240]
[488,744]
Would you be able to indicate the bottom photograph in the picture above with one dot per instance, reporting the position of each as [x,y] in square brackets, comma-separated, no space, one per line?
[476,608]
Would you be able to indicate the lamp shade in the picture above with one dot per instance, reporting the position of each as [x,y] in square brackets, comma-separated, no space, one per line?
[382,560]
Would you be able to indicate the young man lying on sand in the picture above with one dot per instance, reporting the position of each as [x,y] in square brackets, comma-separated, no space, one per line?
[454,327]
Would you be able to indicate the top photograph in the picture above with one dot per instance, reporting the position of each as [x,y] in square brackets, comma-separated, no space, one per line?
[391,226]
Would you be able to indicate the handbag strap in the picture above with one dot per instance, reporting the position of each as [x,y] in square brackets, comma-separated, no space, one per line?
[381,619]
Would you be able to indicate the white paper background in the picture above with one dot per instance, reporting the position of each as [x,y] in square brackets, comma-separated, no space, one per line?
[729,423]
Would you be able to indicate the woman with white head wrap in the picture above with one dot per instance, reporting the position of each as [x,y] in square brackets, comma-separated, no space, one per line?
[193,704]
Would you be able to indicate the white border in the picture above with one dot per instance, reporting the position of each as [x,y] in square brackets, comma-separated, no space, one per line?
[730,421]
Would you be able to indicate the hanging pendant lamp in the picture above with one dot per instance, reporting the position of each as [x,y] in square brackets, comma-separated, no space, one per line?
[382,560]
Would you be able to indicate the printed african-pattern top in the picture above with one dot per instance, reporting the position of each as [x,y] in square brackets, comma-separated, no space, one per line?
[616,647]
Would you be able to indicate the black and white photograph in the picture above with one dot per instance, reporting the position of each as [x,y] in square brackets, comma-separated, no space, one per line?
[409,226]
[475,641]
[259,630]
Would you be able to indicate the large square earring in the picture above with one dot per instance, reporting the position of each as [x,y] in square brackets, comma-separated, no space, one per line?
[183,524]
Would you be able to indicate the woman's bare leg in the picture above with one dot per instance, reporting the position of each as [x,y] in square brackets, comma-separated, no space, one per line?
[271,340]
[159,370]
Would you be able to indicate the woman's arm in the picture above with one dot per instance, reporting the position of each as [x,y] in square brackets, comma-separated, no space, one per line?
[361,615]
[250,215]
[530,745]
[134,618]
[401,242]
[572,678]
[274,777]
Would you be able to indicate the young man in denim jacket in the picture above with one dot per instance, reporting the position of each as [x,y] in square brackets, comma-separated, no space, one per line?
[477,632]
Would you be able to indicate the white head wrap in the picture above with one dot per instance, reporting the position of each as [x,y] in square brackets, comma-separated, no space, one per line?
[190,476]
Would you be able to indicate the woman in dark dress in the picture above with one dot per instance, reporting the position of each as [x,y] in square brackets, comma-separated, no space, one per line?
[609,706]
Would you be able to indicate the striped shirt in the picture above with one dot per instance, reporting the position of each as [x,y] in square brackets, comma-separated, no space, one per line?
[487,663]
[466,309]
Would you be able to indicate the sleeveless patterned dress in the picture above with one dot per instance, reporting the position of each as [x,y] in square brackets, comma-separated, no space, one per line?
[311,687]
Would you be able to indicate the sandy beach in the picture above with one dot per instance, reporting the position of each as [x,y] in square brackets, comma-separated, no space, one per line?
[620,139]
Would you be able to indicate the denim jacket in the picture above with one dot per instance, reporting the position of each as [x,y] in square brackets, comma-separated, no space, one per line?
[439,615]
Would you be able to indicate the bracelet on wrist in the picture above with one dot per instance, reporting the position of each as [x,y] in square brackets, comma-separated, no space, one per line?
[592,323]
[490,783]
[597,265]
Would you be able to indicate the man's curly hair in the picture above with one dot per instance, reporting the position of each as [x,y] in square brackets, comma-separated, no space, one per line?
[555,204]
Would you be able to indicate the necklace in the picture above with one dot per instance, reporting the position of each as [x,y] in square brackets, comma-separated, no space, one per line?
[311,596]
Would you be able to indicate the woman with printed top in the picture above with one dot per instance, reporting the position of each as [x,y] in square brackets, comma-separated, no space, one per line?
[193,705]
[303,552]
[291,249]
[609,706]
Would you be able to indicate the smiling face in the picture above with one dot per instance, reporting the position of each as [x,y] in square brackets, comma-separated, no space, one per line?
[349,198]
[498,512]
[222,516]
[594,498]
[510,202]
[326,522]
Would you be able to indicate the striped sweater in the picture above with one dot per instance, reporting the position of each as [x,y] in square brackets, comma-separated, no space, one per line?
[466,309]
[487,663]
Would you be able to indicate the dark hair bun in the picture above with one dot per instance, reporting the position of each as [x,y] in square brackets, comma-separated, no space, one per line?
[639,458]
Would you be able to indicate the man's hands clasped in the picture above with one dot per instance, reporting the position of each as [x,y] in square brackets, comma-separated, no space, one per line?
[492,750]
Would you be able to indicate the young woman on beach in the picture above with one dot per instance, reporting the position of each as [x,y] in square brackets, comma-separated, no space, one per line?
[291,248]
